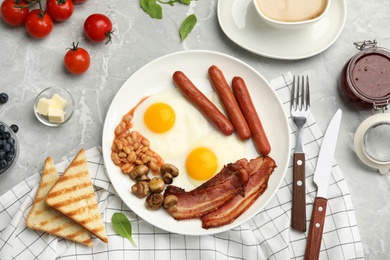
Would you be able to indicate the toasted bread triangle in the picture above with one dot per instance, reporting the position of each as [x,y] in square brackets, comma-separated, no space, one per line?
[73,195]
[45,218]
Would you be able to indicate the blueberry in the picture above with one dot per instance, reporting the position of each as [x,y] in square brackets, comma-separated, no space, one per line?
[3,164]
[7,147]
[3,98]
[14,128]
[5,135]
[11,141]
[9,157]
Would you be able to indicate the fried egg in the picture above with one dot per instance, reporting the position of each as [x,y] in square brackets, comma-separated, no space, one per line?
[182,136]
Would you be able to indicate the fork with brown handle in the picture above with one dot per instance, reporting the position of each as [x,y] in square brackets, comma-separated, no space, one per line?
[300,110]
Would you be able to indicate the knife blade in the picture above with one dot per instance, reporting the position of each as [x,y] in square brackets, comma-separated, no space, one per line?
[321,178]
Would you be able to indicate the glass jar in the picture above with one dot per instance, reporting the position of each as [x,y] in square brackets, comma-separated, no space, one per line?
[365,79]
[365,84]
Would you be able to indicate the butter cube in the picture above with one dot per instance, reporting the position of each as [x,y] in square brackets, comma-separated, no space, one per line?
[58,101]
[56,115]
[43,106]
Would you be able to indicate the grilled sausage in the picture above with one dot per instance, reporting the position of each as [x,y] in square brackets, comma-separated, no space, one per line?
[196,97]
[244,100]
[229,102]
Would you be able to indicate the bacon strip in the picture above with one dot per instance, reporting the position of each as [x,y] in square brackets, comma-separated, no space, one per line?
[199,202]
[259,171]
[226,196]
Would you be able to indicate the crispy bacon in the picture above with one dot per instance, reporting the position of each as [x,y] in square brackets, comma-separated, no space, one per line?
[207,197]
[226,196]
[259,170]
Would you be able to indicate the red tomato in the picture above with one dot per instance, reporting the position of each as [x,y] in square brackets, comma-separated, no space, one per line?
[38,23]
[59,10]
[77,60]
[12,15]
[79,1]
[98,27]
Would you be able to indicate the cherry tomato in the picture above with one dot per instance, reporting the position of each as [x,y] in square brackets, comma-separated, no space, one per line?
[38,23]
[79,1]
[98,27]
[12,15]
[59,10]
[77,60]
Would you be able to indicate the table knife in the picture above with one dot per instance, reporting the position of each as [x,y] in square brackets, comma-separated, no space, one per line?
[321,179]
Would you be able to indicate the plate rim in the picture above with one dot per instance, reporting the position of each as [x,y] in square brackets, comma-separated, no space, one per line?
[168,56]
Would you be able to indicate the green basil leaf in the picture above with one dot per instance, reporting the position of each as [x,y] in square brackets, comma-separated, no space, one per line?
[122,226]
[186,2]
[151,7]
[187,26]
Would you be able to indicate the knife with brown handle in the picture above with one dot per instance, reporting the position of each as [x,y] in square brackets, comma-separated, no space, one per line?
[321,179]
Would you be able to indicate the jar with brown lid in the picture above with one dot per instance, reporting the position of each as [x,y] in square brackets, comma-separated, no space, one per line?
[365,79]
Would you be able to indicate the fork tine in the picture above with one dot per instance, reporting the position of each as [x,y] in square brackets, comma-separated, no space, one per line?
[307,93]
[301,93]
[292,104]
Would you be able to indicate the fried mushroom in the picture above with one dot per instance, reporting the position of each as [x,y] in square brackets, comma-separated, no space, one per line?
[141,189]
[138,171]
[170,203]
[154,201]
[156,185]
[168,172]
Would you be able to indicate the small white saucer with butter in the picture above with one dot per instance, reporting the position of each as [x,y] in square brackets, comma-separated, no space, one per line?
[54,106]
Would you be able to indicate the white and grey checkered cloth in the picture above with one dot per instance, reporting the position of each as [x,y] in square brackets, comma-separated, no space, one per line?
[267,236]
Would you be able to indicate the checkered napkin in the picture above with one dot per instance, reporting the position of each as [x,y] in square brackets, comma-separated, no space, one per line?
[267,236]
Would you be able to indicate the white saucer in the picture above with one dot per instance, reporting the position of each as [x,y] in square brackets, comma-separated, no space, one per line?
[240,22]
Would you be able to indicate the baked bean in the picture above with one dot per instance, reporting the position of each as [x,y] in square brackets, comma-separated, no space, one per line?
[115,158]
[127,149]
[153,166]
[119,144]
[134,135]
[127,118]
[127,168]
[118,129]
[145,142]
[122,155]
[114,148]
[123,141]
[138,162]
[131,157]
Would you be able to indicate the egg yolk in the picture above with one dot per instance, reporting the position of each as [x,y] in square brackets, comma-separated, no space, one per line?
[159,117]
[201,163]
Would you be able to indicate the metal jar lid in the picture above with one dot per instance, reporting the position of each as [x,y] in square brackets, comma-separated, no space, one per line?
[372,142]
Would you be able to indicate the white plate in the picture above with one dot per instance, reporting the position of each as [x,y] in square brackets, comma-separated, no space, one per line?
[240,22]
[156,76]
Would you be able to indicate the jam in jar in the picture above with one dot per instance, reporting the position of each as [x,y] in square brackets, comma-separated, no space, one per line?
[365,79]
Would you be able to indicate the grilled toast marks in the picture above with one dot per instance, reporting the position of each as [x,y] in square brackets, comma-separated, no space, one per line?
[45,218]
[73,195]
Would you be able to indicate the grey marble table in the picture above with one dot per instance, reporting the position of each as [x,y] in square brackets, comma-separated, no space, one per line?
[28,65]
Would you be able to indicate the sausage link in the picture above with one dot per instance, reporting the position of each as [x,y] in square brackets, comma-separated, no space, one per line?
[197,98]
[229,102]
[252,118]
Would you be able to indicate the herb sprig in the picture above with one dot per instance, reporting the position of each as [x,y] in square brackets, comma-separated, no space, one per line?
[154,10]
[122,226]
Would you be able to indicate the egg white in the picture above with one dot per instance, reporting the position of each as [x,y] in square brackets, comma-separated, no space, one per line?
[191,130]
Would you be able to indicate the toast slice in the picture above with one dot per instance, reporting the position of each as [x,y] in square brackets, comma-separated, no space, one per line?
[73,195]
[44,218]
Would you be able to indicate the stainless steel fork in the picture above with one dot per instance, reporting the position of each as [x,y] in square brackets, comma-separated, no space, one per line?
[300,110]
